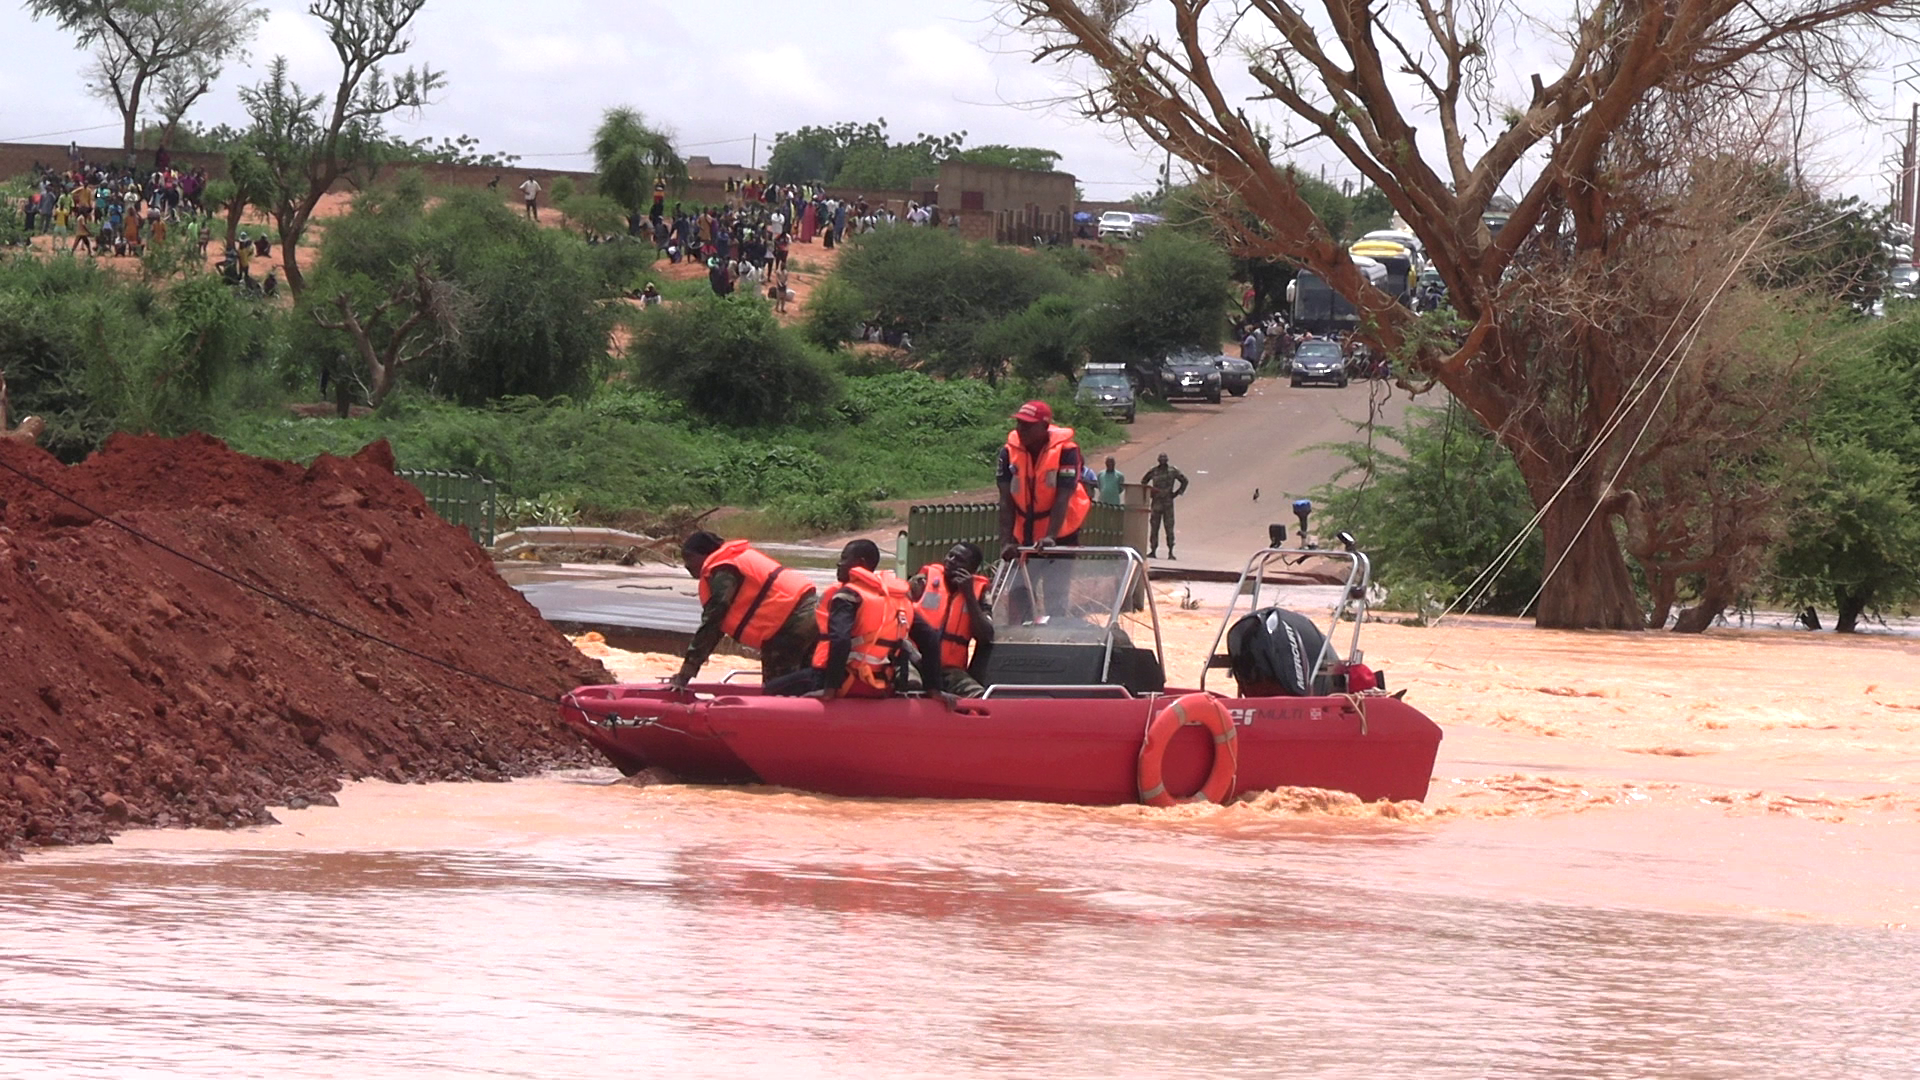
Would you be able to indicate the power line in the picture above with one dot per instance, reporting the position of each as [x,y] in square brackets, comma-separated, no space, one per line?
[69,131]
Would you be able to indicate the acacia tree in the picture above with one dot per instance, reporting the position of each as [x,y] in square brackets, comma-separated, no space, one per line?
[1355,76]
[179,44]
[629,158]
[426,311]
[308,143]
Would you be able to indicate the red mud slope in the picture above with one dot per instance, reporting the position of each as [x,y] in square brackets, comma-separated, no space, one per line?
[136,688]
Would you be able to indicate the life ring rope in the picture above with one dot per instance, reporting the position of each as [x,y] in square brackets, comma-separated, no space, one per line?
[1193,710]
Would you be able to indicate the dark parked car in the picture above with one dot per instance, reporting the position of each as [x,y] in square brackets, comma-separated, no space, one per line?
[1236,375]
[1318,361]
[1106,387]
[1190,375]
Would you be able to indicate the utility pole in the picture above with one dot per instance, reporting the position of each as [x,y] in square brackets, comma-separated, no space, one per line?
[1907,170]
[753,161]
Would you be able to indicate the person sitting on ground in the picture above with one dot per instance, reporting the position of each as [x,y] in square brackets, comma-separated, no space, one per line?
[950,599]
[272,283]
[749,597]
[864,620]
[649,296]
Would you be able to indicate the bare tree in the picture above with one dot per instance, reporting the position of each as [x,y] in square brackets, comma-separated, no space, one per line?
[179,43]
[1354,76]
[430,313]
[307,143]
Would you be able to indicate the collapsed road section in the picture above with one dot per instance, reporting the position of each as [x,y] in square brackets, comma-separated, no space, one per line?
[189,636]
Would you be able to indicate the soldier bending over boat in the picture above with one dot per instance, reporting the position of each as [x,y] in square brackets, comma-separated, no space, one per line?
[746,595]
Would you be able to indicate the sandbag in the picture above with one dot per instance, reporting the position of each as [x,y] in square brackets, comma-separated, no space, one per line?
[1273,651]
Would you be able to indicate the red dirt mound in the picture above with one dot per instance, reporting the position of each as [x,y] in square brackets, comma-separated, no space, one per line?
[138,688]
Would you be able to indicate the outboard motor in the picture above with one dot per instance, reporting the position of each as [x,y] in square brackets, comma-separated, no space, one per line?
[1302,509]
[1273,651]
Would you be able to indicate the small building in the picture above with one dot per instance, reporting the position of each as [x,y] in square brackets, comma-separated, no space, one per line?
[1005,205]
[702,169]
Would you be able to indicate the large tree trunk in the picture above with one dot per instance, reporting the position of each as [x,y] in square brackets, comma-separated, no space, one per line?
[1714,599]
[290,262]
[1592,589]
[1851,606]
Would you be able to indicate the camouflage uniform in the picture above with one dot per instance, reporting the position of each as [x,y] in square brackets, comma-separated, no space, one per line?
[1164,484]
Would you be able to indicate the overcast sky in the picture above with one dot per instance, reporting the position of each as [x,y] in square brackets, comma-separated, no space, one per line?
[531,78]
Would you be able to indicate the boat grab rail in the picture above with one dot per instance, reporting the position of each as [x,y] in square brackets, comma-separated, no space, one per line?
[1012,690]
[731,675]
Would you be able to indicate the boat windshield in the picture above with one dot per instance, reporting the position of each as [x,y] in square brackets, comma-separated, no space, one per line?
[1074,595]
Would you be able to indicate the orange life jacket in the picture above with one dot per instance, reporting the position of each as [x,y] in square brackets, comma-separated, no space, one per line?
[1035,483]
[767,595]
[878,630]
[948,613]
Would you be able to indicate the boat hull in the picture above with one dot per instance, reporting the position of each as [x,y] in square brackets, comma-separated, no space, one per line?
[1065,750]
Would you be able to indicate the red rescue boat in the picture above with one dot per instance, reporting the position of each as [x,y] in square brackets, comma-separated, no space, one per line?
[1076,711]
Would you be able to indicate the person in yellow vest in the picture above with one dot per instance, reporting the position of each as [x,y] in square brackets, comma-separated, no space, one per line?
[864,622]
[747,596]
[950,598]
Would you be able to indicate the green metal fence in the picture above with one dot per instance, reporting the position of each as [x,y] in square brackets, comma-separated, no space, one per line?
[932,529]
[466,499]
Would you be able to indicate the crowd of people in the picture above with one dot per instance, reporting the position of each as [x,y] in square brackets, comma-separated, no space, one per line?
[745,242]
[115,209]
[110,210]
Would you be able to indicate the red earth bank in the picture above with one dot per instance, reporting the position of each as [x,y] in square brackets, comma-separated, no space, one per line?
[137,688]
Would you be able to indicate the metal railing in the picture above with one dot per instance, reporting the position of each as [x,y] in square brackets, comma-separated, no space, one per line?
[466,499]
[932,529]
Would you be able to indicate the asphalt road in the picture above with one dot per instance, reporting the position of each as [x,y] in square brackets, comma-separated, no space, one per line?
[1262,442]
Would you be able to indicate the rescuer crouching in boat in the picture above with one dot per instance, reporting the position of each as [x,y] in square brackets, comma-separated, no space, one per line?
[865,622]
[950,599]
[746,595]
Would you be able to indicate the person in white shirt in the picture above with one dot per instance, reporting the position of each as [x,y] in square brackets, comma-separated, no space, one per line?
[530,188]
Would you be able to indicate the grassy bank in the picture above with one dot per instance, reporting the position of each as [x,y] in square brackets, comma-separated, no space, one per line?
[604,460]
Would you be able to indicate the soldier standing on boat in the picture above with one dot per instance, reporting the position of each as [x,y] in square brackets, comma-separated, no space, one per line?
[1164,484]
[746,595]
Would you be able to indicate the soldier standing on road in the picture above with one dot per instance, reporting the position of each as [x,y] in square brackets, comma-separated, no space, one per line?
[1164,484]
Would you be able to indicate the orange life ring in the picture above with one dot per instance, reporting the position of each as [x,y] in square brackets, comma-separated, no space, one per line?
[1201,710]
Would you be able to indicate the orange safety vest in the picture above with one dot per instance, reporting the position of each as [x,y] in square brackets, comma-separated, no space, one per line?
[948,613]
[1035,484]
[879,629]
[767,595]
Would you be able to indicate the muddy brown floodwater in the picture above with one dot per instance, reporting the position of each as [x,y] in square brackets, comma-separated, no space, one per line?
[1644,856]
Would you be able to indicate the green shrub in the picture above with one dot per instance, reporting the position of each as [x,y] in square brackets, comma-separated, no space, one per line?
[946,292]
[835,311]
[1437,514]
[1172,293]
[836,511]
[728,359]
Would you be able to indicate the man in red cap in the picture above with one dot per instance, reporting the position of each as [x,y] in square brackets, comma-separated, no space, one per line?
[1042,502]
